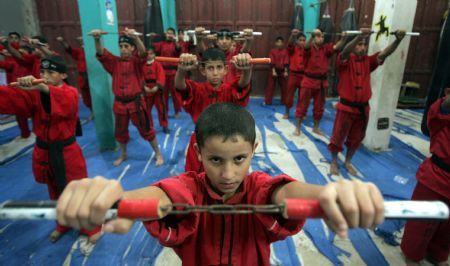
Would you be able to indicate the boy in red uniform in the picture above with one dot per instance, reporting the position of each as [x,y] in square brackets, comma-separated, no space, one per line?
[185,46]
[13,71]
[279,71]
[169,48]
[224,41]
[78,55]
[226,145]
[197,96]
[154,86]
[423,239]
[296,50]
[314,82]
[129,101]
[352,115]
[53,106]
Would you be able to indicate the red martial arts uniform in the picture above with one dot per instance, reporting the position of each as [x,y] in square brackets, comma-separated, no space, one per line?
[279,58]
[186,46]
[354,89]
[314,83]
[296,72]
[169,49]
[83,82]
[129,100]
[154,76]
[57,157]
[227,239]
[197,97]
[424,238]
[13,71]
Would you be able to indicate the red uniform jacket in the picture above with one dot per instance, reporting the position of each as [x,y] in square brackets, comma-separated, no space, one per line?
[186,46]
[198,96]
[57,125]
[32,64]
[296,55]
[429,174]
[9,65]
[78,55]
[214,239]
[169,49]
[279,58]
[127,80]
[354,80]
[316,65]
[154,75]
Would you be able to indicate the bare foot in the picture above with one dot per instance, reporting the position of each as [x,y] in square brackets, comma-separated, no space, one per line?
[318,131]
[334,168]
[411,262]
[176,116]
[119,160]
[55,235]
[95,237]
[350,169]
[296,132]
[159,160]
[285,116]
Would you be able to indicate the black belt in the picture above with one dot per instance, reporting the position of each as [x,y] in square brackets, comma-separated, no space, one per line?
[359,105]
[150,81]
[137,101]
[56,154]
[322,78]
[170,67]
[440,163]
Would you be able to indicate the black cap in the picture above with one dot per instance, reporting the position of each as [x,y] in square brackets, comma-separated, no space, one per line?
[126,39]
[55,63]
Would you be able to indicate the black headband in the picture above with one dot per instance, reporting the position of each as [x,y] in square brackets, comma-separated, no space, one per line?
[126,39]
[53,65]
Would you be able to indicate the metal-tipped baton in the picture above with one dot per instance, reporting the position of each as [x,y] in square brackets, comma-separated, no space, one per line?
[253,61]
[122,32]
[151,209]
[254,33]
[357,32]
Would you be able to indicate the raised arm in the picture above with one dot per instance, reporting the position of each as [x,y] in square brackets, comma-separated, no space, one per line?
[242,63]
[399,35]
[248,36]
[97,35]
[352,44]
[64,44]
[187,62]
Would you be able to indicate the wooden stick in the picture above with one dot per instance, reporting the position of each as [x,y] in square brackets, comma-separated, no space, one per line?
[253,61]
[34,82]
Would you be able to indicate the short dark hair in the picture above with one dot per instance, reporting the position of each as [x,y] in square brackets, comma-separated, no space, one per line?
[171,29]
[180,31]
[213,54]
[14,33]
[301,34]
[225,120]
[279,38]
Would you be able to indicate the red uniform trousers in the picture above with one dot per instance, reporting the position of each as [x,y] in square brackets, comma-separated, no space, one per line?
[422,238]
[85,90]
[170,86]
[303,102]
[192,162]
[294,82]
[122,121]
[348,127]
[281,80]
[157,99]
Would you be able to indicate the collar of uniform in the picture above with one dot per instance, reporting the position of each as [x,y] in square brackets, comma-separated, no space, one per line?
[211,88]
[236,198]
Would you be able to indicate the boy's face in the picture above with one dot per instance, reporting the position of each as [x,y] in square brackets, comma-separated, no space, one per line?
[170,35]
[224,43]
[226,163]
[360,49]
[13,38]
[181,36]
[301,41]
[52,77]
[150,55]
[214,71]
[318,39]
[279,44]
[126,50]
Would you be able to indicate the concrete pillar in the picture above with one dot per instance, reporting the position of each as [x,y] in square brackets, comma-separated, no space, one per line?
[100,14]
[389,15]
